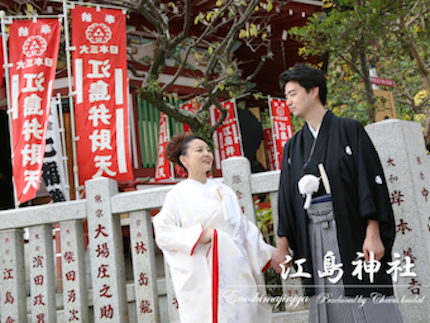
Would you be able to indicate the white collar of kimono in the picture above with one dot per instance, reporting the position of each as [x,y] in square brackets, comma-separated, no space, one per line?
[314,132]
[228,200]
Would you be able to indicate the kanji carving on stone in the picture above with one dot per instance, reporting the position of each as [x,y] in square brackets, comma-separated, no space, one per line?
[143,279]
[99,231]
[140,247]
[396,197]
[8,273]
[37,261]
[403,226]
[145,307]
[104,291]
[106,311]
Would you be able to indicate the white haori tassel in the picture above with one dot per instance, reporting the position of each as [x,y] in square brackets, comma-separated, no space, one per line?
[308,185]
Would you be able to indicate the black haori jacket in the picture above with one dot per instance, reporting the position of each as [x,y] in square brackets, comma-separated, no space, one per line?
[359,193]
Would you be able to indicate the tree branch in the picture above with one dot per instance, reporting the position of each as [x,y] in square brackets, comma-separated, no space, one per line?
[151,13]
[208,30]
[187,25]
[229,40]
[179,70]
[368,85]
[222,116]
[268,55]
[135,72]
[412,9]
[351,64]
[171,110]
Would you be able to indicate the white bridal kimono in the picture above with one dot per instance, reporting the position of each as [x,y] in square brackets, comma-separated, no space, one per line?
[221,280]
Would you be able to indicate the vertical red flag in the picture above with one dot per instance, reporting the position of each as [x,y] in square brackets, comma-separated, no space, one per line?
[101,86]
[1,61]
[33,50]
[162,168]
[268,139]
[227,134]
[282,128]
[191,106]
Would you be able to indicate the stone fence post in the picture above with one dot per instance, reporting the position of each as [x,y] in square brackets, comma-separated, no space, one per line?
[106,252]
[13,305]
[75,292]
[145,273]
[401,149]
[42,278]
[236,173]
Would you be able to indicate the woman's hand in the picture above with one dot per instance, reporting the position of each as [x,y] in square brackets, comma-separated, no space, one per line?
[207,235]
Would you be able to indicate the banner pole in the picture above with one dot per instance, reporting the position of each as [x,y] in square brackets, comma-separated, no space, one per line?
[9,107]
[88,4]
[239,133]
[172,170]
[71,103]
[59,108]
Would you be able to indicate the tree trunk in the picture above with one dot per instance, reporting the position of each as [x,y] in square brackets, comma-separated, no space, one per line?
[427,133]
[370,97]
[421,66]
[422,69]
[425,75]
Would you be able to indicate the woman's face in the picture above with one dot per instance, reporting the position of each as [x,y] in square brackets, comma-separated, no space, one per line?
[198,158]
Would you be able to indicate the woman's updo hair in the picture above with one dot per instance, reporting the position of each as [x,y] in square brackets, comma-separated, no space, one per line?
[178,146]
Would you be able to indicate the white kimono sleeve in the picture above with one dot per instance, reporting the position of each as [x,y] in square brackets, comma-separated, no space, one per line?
[170,236]
[259,252]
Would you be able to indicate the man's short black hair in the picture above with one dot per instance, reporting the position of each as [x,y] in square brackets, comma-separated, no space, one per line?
[308,77]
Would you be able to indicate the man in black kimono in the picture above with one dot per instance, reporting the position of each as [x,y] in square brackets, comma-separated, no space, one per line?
[361,205]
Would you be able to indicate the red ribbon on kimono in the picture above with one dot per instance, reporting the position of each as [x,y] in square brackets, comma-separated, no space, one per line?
[227,134]
[33,50]
[191,106]
[215,277]
[282,128]
[101,87]
[162,168]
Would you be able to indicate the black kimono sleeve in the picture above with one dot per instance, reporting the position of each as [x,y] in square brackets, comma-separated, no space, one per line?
[285,209]
[373,198]
[292,218]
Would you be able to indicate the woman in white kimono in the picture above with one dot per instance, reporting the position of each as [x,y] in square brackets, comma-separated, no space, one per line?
[215,253]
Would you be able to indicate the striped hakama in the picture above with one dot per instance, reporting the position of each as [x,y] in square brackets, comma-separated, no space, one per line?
[329,304]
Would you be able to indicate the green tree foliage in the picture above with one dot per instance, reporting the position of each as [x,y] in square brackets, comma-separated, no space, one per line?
[392,35]
[209,39]
[345,31]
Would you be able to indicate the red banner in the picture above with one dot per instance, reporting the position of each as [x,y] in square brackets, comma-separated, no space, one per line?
[101,100]
[191,106]
[162,168]
[227,134]
[1,61]
[268,139]
[33,50]
[282,128]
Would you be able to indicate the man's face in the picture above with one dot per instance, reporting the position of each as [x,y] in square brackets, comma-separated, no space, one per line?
[299,100]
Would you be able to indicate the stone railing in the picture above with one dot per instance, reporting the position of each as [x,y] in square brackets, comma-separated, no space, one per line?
[107,298]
